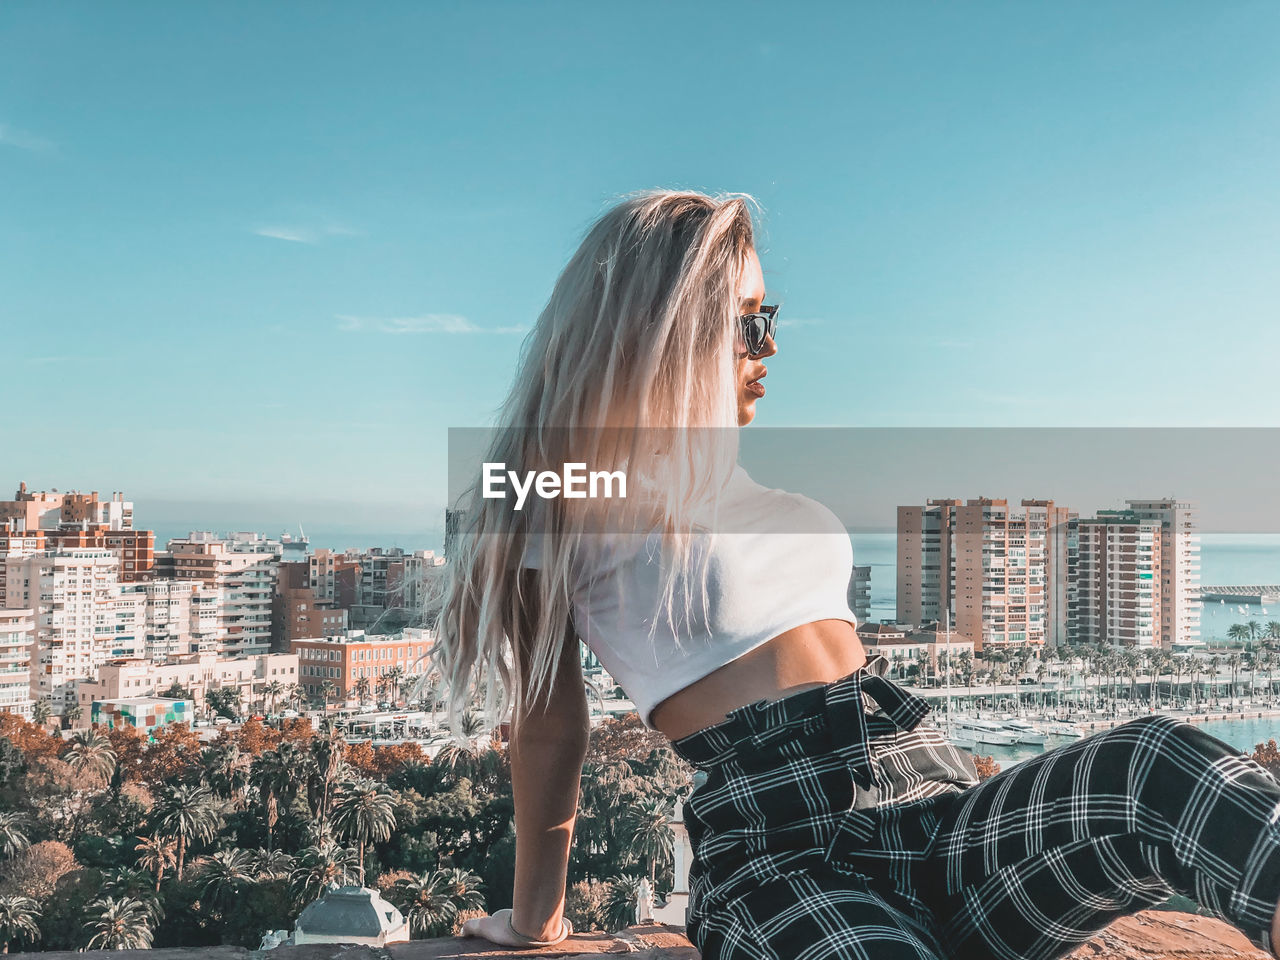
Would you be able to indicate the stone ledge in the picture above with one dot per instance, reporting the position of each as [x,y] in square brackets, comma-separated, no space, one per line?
[1149,935]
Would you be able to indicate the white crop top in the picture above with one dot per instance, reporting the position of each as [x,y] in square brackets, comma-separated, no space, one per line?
[792,568]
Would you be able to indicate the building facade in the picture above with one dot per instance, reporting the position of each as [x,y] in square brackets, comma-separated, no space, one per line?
[80,619]
[132,678]
[242,570]
[996,573]
[358,663]
[1179,568]
[17,637]
[1118,583]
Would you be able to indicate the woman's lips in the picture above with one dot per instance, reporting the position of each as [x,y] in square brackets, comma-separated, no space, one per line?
[755,388]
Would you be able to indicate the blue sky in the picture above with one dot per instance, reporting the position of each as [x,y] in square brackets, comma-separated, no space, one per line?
[264,255]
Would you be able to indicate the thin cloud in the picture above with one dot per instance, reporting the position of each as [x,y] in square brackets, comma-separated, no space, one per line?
[426,323]
[24,140]
[308,235]
[798,322]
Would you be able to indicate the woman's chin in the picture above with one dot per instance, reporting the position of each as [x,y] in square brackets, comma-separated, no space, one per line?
[746,411]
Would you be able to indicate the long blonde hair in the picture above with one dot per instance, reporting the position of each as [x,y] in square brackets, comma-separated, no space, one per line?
[637,334]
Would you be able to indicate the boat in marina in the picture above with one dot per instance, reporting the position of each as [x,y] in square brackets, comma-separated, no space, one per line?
[969,730]
[1061,728]
[1025,732]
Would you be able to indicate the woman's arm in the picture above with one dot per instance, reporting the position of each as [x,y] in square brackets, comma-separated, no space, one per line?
[547,749]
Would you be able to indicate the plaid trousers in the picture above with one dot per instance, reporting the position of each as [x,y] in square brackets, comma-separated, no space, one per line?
[836,823]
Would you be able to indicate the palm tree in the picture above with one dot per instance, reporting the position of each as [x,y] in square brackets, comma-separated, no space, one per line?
[41,710]
[72,714]
[272,864]
[320,865]
[225,874]
[155,854]
[395,676]
[425,901]
[620,904]
[188,814]
[327,690]
[18,919]
[13,836]
[362,689]
[462,887]
[91,750]
[1215,663]
[272,691]
[648,825]
[136,885]
[366,813]
[119,924]
[327,768]
[227,771]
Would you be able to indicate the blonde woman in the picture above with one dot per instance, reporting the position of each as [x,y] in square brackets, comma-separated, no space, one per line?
[835,820]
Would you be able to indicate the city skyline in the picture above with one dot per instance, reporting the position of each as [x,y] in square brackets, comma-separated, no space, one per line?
[280,274]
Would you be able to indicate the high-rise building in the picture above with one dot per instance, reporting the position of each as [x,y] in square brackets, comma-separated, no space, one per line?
[17,636]
[860,592]
[298,613]
[242,569]
[81,619]
[1179,568]
[181,619]
[1118,580]
[999,574]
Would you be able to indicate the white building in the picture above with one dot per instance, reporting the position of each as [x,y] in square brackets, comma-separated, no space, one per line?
[78,620]
[1180,568]
[181,618]
[198,675]
[242,569]
[17,634]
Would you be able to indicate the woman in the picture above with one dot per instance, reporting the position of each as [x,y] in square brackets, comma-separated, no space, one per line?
[835,821]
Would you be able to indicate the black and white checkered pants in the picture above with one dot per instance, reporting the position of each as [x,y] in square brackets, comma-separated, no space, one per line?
[834,823]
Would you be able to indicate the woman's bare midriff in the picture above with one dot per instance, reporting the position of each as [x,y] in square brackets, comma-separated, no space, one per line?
[807,656]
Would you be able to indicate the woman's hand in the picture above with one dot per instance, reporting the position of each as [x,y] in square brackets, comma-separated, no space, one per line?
[496,928]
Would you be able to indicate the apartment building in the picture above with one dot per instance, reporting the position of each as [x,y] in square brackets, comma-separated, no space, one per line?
[1118,581]
[198,674]
[16,541]
[1179,568]
[391,586]
[241,568]
[347,660]
[17,636]
[997,573]
[50,509]
[181,618]
[860,592]
[298,612]
[80,618]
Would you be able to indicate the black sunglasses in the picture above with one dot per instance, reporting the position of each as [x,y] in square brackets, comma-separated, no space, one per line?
[754,328]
